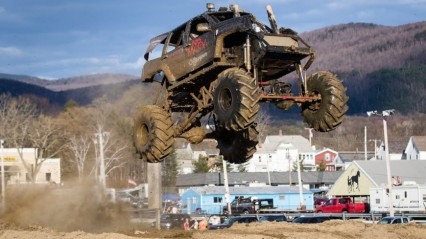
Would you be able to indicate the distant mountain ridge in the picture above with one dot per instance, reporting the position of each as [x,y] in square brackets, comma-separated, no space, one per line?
[83,96]
[381,66]
[366,48]
[70,83]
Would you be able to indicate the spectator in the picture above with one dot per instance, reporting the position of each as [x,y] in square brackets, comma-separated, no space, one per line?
[394,182]
[398,181]
[195,224]
[203,224]
[186,225]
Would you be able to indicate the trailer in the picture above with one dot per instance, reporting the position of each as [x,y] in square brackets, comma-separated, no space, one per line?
[407,198]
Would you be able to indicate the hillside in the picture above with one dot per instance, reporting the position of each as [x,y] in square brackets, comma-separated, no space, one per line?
[71,82]
[56,100]
[382,67]
[364,48]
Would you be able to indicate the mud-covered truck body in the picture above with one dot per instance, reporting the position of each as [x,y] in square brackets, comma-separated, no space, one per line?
[222,64]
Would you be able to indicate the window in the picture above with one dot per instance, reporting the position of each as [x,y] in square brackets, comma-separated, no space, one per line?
[405,194]
[194,200]
[377,201]
[327,157]
[217,199]
[48,176]
[281,197]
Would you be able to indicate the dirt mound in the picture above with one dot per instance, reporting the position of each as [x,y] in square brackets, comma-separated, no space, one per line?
[63,209]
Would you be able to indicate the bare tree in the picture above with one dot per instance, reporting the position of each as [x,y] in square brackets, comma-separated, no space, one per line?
[46,136]
[16,117]
[263,123]
[79,147]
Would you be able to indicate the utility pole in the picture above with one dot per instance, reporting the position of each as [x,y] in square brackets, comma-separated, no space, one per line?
[102,177]
[3,183]
[365,143]
[155,190]
[375,146]
[310,135]
[385,114]
[302,201]
[225,182]
[267,168]
[289,166]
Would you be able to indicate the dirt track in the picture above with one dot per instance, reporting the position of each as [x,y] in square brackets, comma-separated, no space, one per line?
[77,213]
[269,230]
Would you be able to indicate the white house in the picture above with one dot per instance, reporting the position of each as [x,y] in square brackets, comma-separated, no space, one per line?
[395,153]
[280,152]
[416,148]
[15,172]
[186,153]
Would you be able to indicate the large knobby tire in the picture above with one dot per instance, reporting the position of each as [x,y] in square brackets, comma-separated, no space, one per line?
[236,99]
[328,113]
[153,135]
[237,146]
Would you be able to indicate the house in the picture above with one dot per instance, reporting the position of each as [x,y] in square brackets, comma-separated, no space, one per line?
[330,159]
[361,175]
[416,148]
[16,173]
[396,151]
[211,199]
[310,180]
[280,153]
[183,156]
[186,153]
[348,157]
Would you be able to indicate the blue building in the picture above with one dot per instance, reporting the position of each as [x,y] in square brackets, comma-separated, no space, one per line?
[211,199]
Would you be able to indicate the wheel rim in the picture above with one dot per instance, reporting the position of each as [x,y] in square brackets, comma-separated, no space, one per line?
[225,99]
[317,105]
[142,134]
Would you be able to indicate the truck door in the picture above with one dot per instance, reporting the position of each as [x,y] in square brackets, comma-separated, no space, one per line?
[199,47]
[173,53]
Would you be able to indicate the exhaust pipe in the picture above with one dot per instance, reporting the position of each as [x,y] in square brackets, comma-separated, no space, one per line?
[272,20]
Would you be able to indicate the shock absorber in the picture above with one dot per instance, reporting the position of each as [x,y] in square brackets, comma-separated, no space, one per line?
[247,54]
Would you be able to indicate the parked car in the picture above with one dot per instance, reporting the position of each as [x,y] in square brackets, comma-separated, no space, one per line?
[311,219]
[228,222]
[394,220]
[342,205]
[273,218]
[169,221]
[247,205]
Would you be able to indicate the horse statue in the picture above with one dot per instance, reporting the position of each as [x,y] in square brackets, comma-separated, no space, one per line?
[354,179]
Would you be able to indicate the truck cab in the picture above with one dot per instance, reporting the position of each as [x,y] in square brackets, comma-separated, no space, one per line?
[247,205]
[342,205]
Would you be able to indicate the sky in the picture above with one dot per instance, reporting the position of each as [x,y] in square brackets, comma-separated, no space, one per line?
[54,39]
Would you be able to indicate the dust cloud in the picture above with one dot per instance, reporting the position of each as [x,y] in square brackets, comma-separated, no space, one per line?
[78,207]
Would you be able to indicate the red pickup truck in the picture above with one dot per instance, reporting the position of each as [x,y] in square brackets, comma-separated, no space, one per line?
[342,205]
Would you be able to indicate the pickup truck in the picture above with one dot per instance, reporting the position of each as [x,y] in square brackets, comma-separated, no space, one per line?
[342,205]
[248,205]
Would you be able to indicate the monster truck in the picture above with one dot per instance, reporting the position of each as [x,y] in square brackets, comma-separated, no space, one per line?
[215,70]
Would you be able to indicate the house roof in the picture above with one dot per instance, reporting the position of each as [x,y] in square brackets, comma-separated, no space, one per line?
[420,142]
[202,179]
[407,170]
[212,190]
[273,142]
[325,150]
[348,156]
[205,145]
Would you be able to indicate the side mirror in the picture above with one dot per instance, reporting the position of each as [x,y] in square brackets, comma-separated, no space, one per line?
[203,27]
